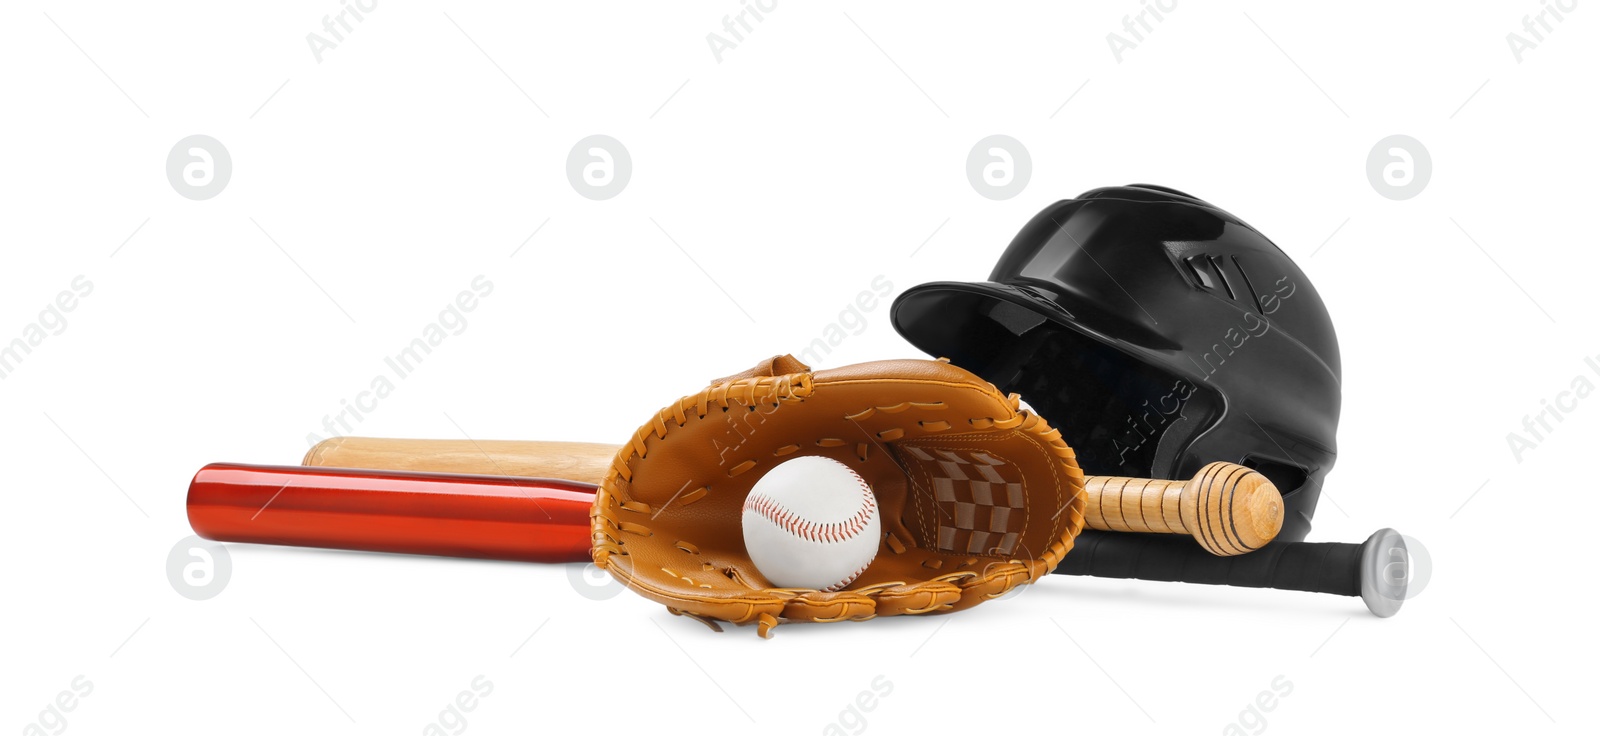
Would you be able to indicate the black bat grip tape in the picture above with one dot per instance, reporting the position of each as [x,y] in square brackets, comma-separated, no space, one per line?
[1325,567]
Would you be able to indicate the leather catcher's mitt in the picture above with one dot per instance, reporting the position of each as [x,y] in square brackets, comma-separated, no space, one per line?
[976,496]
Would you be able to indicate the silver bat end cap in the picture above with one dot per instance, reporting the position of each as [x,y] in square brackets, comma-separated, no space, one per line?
[1385,572]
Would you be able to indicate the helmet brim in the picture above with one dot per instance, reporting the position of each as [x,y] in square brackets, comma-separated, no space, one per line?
[967,320]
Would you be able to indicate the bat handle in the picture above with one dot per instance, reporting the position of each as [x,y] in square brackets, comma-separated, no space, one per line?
[1376,570]
[487,517]
[1228,508]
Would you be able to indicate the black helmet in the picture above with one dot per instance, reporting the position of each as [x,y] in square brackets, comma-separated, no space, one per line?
[1159,333]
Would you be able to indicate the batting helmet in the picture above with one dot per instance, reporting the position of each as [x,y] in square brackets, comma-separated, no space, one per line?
[1159,333]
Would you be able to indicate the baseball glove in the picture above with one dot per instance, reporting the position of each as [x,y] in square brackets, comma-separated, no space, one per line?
[976,495]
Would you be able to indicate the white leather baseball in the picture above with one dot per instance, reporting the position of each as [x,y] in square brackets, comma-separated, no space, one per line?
[811,523]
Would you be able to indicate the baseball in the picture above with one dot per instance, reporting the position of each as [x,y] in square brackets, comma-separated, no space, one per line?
[812,523]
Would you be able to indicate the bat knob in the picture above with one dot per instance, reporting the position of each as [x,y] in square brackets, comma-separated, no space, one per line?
[1385,572]
[1233,509]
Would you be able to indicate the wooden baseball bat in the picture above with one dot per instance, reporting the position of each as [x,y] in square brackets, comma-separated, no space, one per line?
[1229,509]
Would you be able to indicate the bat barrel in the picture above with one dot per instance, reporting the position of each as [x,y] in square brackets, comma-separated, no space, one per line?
[487,517]
[588,462]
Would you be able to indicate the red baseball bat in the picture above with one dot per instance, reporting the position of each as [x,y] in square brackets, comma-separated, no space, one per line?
[488,517]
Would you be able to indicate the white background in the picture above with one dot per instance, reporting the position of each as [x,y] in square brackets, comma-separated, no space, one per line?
[826,149]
